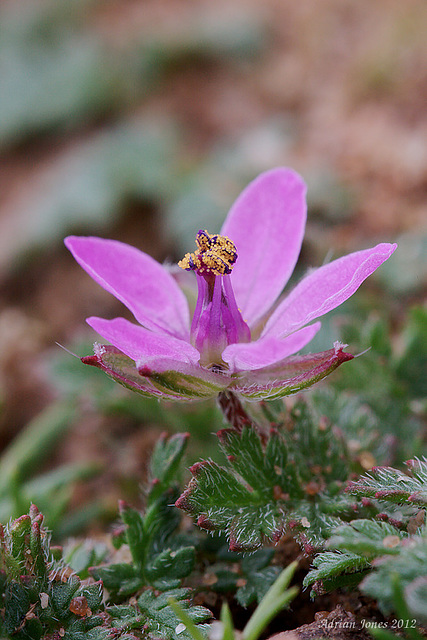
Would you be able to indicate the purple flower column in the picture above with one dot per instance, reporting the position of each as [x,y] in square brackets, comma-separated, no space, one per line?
[217,321]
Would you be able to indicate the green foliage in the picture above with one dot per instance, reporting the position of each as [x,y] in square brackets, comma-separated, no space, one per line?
[387,558]
[388,382]
[355,546]
[163,621]
[290,479]
[333,570]
[249,576]
[407,568]
[19,486]
[393,486]
[38,594]
[42,595]
[152,613]
[158,558]
[278,597]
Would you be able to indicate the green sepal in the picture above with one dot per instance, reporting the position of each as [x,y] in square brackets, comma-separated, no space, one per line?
[295,374]
[182,382]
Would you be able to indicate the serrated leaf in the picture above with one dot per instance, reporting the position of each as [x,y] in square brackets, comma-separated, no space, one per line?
[119,579]
[367,538]
[257,584]
[17,605]
[165,461]
[271,482]
[392,485]
[163,621]
[171,564]
[407,567]
[334,569]
[61,595]
[137,536]
[222,502]
[249,460]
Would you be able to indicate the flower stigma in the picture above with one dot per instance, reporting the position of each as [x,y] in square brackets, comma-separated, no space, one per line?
[217,321]
[216,255]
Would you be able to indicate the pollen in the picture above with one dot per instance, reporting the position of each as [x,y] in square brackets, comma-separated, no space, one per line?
[215,255]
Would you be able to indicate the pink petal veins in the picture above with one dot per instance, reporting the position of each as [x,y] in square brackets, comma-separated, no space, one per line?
[137,280]
[143,345]
[324,289]
[266,223]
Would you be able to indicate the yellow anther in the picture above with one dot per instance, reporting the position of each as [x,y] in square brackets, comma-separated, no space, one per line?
[216,255]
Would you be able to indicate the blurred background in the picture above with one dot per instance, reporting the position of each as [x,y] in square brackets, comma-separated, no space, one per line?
[142,120]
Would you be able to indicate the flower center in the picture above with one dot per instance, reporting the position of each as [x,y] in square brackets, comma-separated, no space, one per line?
[217,321]
[215,255]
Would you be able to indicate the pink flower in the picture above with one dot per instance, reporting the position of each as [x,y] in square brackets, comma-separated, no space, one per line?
[241,336]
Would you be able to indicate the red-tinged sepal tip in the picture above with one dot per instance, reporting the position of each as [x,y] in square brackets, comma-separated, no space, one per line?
[197,468]
[223,435]
[145,371]
[277,535]
[238,545]
[412,464]
[417,497]
[33,511]
[91,360]
[183,502]
[123,506]
[204,523]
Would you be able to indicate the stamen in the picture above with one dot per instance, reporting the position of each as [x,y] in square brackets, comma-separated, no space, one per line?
[216,255]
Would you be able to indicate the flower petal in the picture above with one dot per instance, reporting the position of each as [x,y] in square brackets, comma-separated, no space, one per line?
[143,345]
[137,280]
[267,351]
[296,374]
[324,289]
[266,223]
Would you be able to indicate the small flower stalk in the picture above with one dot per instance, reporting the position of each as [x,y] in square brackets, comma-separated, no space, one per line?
[243,336]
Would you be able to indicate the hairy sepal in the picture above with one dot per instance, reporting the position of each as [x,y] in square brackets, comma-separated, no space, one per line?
[292,375]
